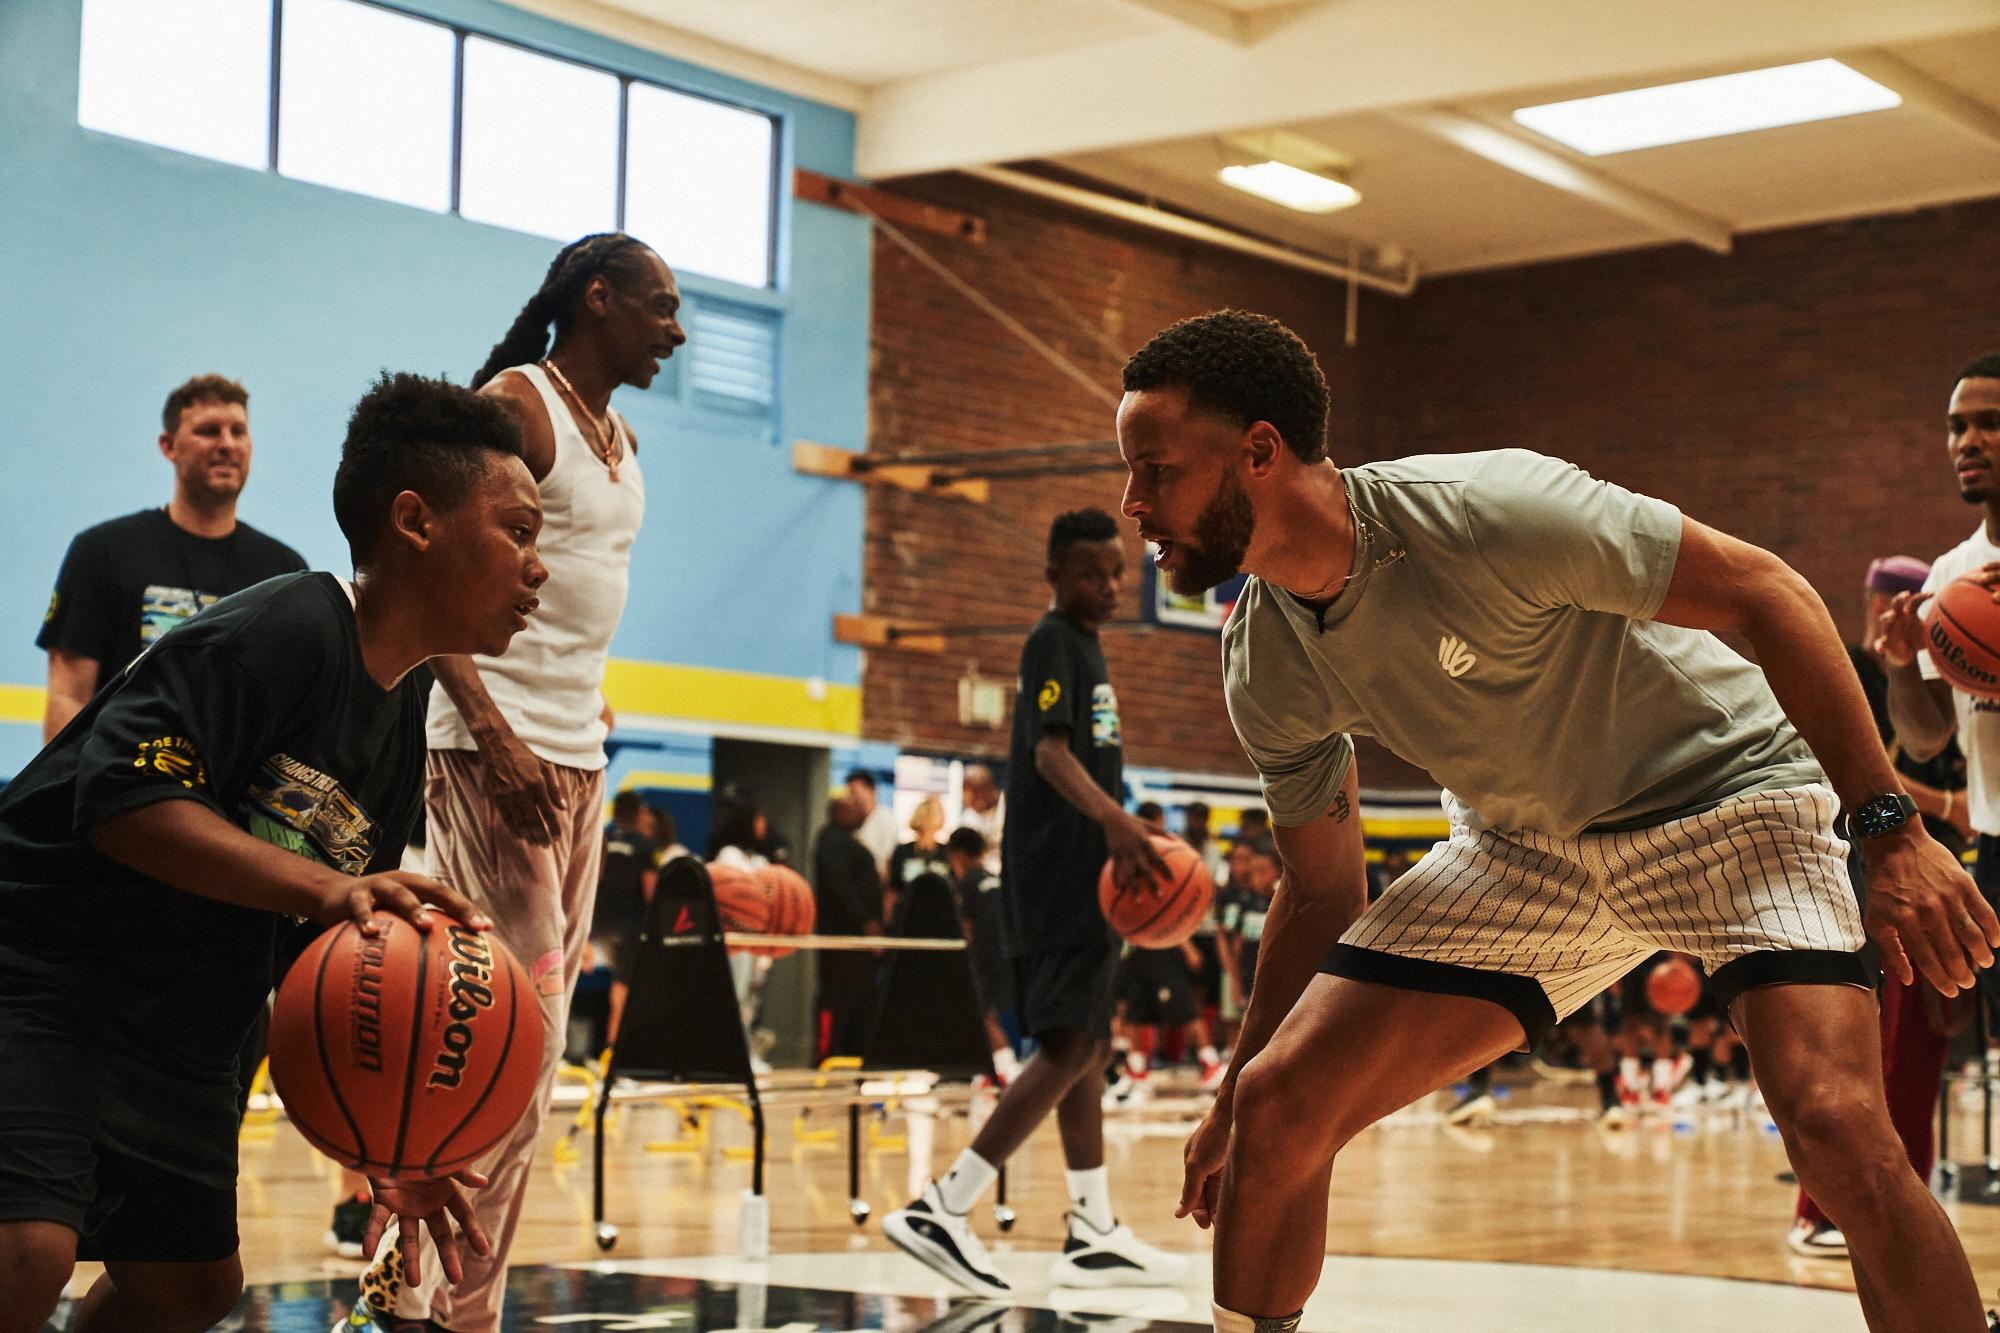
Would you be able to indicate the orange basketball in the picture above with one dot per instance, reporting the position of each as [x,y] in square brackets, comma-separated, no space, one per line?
[1160,912]
[409,1052]
[1673,987]
[793,910]
[1962,631]
[741,899]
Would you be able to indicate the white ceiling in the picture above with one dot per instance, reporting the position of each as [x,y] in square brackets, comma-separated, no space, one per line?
[1413,94]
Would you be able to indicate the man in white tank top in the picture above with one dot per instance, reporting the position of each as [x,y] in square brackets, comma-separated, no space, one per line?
[515,783]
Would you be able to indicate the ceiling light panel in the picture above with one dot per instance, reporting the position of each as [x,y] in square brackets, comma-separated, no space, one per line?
[1758,99]
[1305,191]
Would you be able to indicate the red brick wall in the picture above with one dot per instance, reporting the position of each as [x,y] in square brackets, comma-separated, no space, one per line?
[1792,393]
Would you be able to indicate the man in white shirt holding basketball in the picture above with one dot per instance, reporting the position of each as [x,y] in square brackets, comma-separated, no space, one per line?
[1925,710]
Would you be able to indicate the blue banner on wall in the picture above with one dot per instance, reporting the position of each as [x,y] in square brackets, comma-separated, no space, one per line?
[1161,605]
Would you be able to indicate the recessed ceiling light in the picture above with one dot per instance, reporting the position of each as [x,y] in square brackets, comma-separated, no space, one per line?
[1306,191]
[1758,99]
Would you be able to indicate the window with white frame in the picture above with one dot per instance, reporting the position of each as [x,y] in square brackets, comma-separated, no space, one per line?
[365,101]
[378,102]
[193,75]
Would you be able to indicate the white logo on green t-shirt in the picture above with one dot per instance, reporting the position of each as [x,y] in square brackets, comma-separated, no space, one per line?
[1454,657]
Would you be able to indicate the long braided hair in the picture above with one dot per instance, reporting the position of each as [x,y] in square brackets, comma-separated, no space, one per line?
[612,253]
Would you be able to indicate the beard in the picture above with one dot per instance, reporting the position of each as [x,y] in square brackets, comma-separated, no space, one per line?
[1214,551]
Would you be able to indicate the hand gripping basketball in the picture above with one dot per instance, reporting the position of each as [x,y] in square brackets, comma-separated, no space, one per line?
[408,895]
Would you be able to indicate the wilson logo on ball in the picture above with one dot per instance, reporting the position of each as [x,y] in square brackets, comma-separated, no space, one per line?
[471,969]
[1951,654]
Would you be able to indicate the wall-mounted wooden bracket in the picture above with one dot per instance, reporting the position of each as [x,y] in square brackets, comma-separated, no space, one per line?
[824,460]
[815,188]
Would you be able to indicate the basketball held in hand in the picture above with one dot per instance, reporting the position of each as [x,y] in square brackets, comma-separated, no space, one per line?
[1158,910]
[1962,633]
[408,1052]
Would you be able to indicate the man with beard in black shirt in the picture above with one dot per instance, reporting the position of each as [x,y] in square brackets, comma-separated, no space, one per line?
[126,582]
[1065,781]
[263,760]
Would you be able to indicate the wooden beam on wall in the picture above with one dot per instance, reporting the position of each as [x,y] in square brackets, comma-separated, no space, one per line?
[815,188]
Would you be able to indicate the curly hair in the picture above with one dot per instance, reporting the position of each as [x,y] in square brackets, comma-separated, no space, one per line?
[1079,525]
[409,433]
[1244,366]
[612,253]
[1985,368]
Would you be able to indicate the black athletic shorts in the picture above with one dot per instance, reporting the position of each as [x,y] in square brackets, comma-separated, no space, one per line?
[56,1165]
[1158,988]
[1068,988]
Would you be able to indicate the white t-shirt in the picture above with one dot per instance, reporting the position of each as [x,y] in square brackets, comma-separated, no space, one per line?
[1978,719]
[879,834]
[990,824]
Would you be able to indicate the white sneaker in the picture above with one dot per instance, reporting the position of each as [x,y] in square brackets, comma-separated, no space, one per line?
[943,1242]
[1816,1242]
[1114,1258]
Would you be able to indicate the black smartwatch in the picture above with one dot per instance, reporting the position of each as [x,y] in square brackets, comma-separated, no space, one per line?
[1881,814]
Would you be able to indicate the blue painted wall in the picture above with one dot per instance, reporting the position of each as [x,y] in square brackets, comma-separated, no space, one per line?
[125,268]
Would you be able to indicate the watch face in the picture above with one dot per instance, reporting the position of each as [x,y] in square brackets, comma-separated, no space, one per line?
[1884,814]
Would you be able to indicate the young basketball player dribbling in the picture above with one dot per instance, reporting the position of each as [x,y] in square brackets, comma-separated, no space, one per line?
[263,759]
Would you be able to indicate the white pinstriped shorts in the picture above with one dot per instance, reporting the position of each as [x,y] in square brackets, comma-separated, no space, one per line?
[1756,889]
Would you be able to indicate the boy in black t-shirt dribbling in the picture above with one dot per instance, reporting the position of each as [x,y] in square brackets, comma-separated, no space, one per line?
[1065,780]
[262,760]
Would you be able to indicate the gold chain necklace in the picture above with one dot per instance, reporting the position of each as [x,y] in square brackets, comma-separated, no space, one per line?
[605,440]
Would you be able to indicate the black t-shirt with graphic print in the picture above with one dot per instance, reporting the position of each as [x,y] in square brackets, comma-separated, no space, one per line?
[263,710]
[126,582]
[1051,852]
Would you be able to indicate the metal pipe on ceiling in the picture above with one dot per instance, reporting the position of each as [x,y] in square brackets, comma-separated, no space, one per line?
[1193,229]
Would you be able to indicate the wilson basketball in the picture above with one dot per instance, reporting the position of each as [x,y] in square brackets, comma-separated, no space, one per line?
[1673,987]
[409,1052]
[1962,632]
[741,900]
[793,910]
[1160,911]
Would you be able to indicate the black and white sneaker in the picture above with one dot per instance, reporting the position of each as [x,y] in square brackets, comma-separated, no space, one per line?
[1114,1258]
[942,1241]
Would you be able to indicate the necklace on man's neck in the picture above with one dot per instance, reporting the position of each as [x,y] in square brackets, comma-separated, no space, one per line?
[604,439]
[1370,529]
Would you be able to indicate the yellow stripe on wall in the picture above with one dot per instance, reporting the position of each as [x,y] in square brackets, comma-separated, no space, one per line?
[22,703]
[656,689]
[745,698]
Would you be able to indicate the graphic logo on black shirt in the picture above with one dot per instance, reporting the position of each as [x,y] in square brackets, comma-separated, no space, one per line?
[1050,696]
[174,757]
[1104,728]
[161,608]
[55,601]
[297,807]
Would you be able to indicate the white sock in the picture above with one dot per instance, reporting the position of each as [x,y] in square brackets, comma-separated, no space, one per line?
[1228,1321]
[1663,1075]
[1005,1063]
[1628,1069]
[1090,1196]
[966,1181]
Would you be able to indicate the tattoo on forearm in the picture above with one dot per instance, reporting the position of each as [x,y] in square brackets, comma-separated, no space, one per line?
[1340,806]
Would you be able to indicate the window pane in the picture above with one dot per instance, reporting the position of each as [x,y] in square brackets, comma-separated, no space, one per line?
[541,143]
[698,184]
[365,102]
[194,75]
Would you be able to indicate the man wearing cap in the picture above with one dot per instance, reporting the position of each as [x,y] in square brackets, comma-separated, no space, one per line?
[1913,1042]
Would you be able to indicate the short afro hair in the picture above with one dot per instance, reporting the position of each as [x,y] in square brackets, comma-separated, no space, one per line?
[1985,368]
[409,433]
[1079,525]
[1243,366]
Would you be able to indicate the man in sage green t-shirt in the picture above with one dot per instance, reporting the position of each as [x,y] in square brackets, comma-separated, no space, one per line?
[1617,780]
